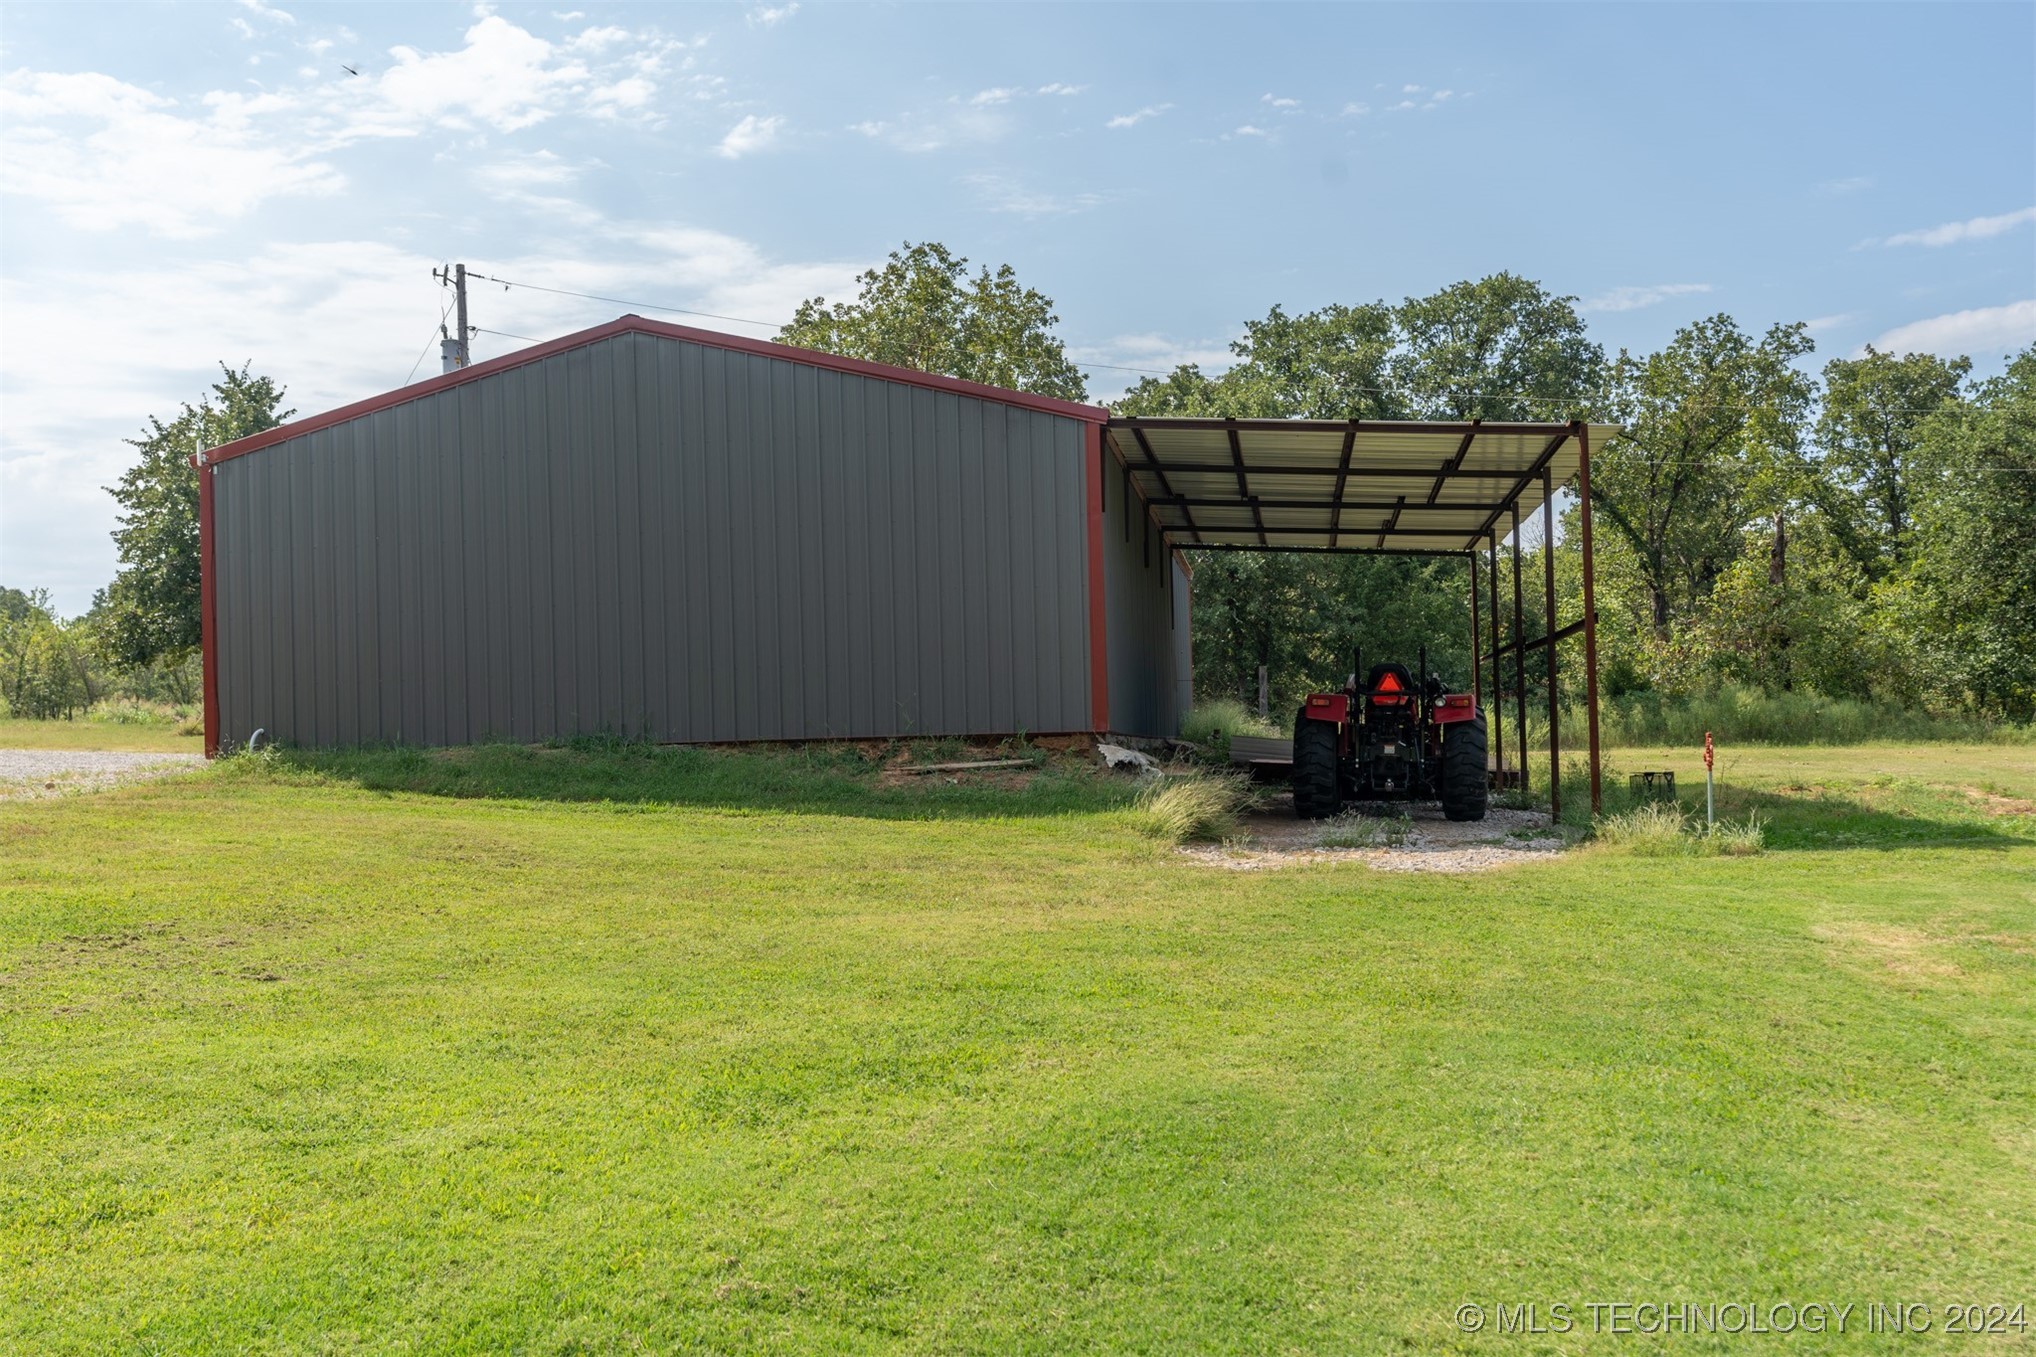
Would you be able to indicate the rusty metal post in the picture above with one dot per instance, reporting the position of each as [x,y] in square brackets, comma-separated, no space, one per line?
[1498,716]
[1548,630]
[1477,679]
[1583,479]
[1519,656]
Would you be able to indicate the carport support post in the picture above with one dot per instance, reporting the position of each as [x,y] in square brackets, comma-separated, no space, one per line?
[1477,679]
[1519,656]
[1498,687]
[1548,650]
[1583,481]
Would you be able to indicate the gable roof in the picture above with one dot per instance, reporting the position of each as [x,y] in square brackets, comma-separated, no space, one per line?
[632,324]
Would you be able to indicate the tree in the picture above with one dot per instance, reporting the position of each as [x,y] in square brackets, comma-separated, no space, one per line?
[1702,419]
[151,610]
[922,310]
[1496,348]
[1967,600]
[43,666]
[1869,434]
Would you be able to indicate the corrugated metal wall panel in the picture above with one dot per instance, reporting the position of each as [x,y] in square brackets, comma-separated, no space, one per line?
[652,536]
[1146,618]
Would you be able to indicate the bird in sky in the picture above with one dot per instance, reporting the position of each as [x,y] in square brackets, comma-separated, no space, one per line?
[348,69]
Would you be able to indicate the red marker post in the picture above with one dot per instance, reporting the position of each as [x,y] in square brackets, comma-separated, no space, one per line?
[1710,799]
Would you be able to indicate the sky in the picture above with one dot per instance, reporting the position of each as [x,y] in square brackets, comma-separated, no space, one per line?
[187,184]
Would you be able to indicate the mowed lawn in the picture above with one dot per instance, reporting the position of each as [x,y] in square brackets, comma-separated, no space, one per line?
[754,1056]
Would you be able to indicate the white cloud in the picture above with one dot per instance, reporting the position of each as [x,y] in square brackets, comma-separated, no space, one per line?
[953,124]
[998,193]
[1955,232]
[1133,119]
[1820,324]
[269,12]
[766,17]
[597,39]
[1634,298]
[105,154]
[504,76]
[1356,110]
[1983,331]
[750,135]
[1854,184]
[1403,104]
[242,27]
[1273,101]
[1248,131]
[1411,89]
[1057,88]
[1003,94]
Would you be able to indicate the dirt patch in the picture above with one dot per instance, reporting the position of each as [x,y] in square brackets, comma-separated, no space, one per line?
[1397,838]
[1993,803]
[1899,951]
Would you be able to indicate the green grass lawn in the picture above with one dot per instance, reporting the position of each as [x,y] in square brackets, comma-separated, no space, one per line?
[627,1051]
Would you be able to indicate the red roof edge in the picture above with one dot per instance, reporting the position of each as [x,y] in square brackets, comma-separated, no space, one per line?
[240,447]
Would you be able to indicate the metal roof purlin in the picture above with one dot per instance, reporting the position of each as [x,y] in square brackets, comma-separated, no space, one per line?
[1455,463]
[1153,462]
[1243,489]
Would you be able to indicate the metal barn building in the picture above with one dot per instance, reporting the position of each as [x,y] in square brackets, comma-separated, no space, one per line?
[668,532]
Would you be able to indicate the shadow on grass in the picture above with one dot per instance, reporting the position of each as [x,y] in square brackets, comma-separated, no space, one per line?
[832,779]
[1886,814]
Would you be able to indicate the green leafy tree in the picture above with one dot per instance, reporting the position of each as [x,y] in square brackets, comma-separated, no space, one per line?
[150,612]
[1966,600]
[44,664]
[1703,417]
[923,310]
[1495,348]
[1870,434]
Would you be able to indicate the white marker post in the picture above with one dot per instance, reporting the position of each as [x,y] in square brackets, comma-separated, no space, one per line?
[1710,798]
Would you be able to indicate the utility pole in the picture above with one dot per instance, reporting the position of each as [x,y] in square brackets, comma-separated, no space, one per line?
[454,351]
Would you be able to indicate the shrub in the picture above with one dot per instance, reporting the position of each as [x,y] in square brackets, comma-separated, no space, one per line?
[1198,807]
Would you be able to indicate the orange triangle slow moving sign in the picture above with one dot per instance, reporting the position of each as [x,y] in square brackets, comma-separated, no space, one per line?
[1387,683]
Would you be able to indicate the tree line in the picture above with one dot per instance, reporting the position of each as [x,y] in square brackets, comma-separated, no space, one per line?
[1862,530]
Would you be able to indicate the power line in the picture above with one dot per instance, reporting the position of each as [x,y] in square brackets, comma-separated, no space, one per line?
[436,328]
[624,301]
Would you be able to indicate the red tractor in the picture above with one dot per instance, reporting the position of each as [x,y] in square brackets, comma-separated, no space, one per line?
[1390,739]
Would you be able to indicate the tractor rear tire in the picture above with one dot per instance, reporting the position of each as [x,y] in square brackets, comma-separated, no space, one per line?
[1315,789]
[1466,786]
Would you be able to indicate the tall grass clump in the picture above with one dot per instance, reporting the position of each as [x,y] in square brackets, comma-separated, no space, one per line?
[1196,808]
[1661,829]
[1211,724]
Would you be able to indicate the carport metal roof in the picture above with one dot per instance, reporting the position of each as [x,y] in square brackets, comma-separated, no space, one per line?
[1343,485]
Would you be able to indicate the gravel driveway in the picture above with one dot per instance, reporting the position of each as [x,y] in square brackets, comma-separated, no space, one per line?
[46,772]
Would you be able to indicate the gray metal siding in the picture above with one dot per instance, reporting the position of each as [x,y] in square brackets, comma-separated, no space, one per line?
[1146,598]
[656,537]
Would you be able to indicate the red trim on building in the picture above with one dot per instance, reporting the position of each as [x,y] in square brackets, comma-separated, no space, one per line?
[208,607]
[1099,637]
[1093,414]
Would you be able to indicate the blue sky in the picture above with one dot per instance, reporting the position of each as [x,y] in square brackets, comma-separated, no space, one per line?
[180,184]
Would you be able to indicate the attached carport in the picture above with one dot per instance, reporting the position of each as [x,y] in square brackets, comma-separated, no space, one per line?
[1440,488]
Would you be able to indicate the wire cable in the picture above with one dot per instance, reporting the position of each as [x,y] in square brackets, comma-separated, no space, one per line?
[442,314]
